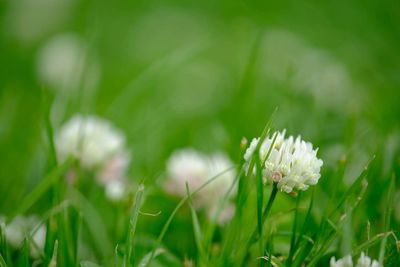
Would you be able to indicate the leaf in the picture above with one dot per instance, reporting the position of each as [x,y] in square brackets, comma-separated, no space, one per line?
[132,225]
[178,206]
[294,230]
[388,212]
[146,259]
[2,261]
[53,262]
[196,227]
[260,203]
[371,242]
[41,188]
[93,221]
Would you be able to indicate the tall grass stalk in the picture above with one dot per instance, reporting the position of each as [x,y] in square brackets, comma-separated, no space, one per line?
[172,215]
[387,216]
[129,257]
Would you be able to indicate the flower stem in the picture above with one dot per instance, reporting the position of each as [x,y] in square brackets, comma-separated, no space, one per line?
[266,213]
[267,209]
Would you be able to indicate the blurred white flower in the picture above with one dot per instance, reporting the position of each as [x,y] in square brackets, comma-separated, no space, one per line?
[363,261]
[25,19]
[195,168]
[115,190]
[292,164]
[226,214]
[20,228]
[287,58]
[343,262]
[64,64]
[96,144]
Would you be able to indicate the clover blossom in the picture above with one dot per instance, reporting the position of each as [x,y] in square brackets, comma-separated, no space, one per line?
[195,168]
[363,261]
[21,227]
[292,163]
[99,148]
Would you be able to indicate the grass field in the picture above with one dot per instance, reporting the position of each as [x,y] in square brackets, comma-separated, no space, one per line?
[126,133]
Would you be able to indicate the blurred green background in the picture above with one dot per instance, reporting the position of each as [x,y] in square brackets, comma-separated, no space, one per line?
[204,74]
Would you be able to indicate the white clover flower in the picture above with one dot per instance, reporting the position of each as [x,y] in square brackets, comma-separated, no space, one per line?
[22,227]
[286,58]
[292,163]
[64,64]
[195,168]
[26,22]
[343,262]
[115,190]
[225,216]
[96,144]
[363,261]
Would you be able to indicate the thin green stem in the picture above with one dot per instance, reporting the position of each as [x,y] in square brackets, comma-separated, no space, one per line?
[132,225]
[266,212]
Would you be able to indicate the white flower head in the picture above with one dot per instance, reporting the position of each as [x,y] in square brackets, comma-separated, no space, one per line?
[343,262]
[363,261]
[115,190]
[192,167]
[21,227]
[292,163]
[225,215]
[64,64]
[96,144]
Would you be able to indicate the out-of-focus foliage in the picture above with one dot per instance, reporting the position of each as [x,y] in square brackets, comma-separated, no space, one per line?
[204,74]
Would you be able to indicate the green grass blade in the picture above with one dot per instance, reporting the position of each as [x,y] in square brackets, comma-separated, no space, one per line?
[145,260]
[307,219]
[330,236]
[178,206]
[24,255]
[53,261]
[2,261]
[92,219]
[263,136]
[352,189]
[196,229]
[129,257]
[148,77]
[49,128]
[371,242]
[388,213]
[294,230]
[260,205]
[3,243]
[42,188]
[213,221]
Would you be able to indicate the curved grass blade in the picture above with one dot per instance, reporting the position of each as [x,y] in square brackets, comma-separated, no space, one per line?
[172,215]
[147,77]
[93,221]
[388,213]
[294,230]
[196,229]
[331,235]
[53,261]
[260,204]
[2,261]
[132,225]
[371,242]
[42,188]
[145,260]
